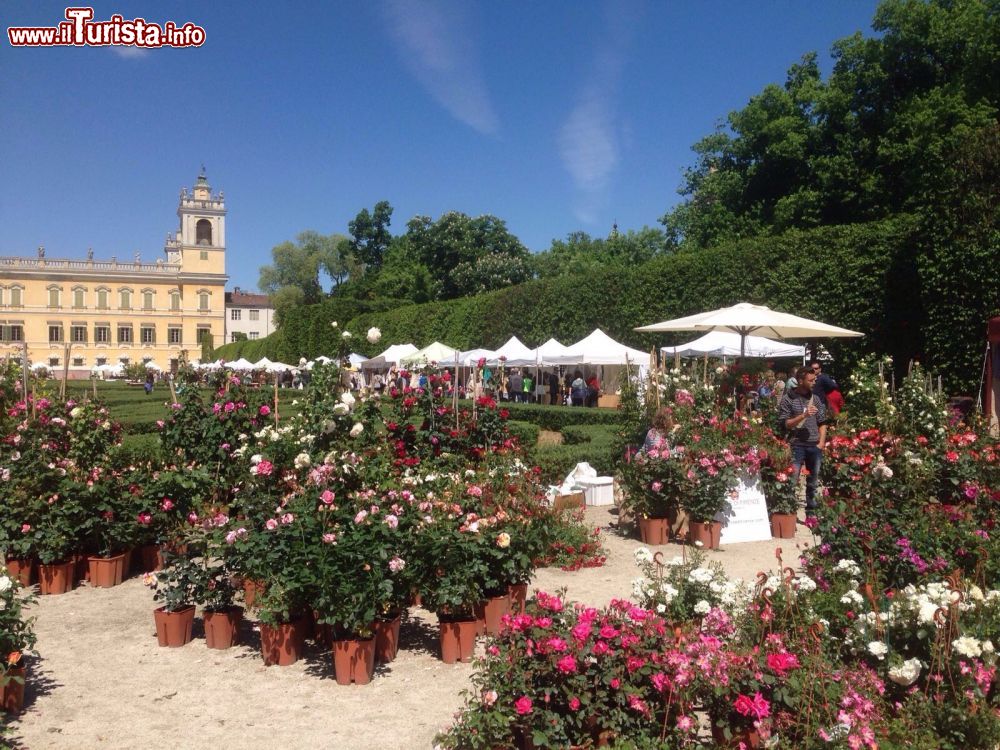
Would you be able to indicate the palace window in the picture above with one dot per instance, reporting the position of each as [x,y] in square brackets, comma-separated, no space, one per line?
[78,334]
[16,292]
[147,299]
[173,335]
[77,361]
[55,334]
[16,333]
[101,361]
[253,335]
[53,362]
[125,334]
[255,315]
[78,298]
[203,333]
[203,301]
[175,300]
[102,299]
[102,333]
[147,334]
[125,299]
[55,296]
[235,314]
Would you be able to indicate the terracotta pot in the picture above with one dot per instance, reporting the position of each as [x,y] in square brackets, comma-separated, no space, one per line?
[281,644]
[458,640]
[56,578]
[81,569]
[22,569]
[654,530]
[354,661]
[250,589]
[106,572]
[150,559]
[173,629]
[129,560]
[706,532]
[12,694]
[491,612]
[386,640]
[518,597]
[222,627]
[743,738]
[783,525]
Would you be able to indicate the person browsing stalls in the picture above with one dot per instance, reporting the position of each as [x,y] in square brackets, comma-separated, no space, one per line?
[802,417]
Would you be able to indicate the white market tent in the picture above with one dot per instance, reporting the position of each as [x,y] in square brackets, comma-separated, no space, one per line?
[436,352]
[279,367]
[542,356]
[727,344]
[600,349]
[262,364]
[356,360]
[240,364]
[513,349]
[472,356]
[389,357]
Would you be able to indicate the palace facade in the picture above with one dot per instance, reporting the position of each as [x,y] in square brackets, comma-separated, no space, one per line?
[111,311]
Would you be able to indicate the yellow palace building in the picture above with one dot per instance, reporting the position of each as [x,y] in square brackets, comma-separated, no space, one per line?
[119,310]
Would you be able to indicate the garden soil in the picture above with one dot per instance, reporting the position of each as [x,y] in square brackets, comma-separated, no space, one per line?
[102,681]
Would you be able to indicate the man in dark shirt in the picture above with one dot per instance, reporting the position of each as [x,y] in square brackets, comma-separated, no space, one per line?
[802,416]
[515,385]
[824,383]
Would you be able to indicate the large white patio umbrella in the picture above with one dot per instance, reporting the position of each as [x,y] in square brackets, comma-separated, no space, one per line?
[746,319]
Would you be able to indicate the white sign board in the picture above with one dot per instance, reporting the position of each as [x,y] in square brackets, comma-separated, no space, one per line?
[744,517]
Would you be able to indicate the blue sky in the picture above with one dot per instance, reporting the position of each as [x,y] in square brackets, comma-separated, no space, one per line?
[554,116]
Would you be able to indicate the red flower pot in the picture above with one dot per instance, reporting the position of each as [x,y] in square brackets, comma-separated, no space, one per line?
[518,597]
[492,611]
[654,530]
[783,525]
[106,572]
[281,644]
[386,640]
[354,661]
[173,629]
[56,578]
[706,532]
[23,569]
[458,640]
[12,694]
[150,559]
[222,627]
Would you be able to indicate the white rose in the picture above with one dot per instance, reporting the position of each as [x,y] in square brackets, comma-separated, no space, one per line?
[302,460]
[374,334]
[348,399]
[906,673]
[341,409]
[967,646]
[5,583]
[878,649]
[345,335]
[357,429]
[256,458]
[702,607]
[333,324]
[643,555]
[76,412]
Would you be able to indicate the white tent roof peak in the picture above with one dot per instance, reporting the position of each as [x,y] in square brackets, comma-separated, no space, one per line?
[600,349]
[513,349]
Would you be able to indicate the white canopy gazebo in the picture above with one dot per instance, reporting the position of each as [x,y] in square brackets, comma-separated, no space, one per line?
[541,356]
[240,365]
[471,357]
[389,357]
[436,352]
[512,349]
[600,349]
[727,344]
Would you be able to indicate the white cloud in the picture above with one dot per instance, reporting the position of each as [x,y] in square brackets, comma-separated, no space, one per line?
[437,45]
[130,53]
[589,140]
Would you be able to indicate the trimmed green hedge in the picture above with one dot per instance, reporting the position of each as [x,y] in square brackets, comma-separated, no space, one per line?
[595,444]
[525,432]
[555,418]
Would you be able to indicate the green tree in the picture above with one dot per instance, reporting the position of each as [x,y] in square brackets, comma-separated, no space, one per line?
[370,236]
[298,264]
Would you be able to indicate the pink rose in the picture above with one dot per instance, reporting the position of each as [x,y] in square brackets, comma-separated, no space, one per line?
[566,665]
[271,524]
[287,518]
[327,497]
[167,504]
[329,538]
[265,410]
[574,703]
[523,705]
[25,528]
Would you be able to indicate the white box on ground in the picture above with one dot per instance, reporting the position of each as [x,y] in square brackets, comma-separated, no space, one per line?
[744,517]
[598,490]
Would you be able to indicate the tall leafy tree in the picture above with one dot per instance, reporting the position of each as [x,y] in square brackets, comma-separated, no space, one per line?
[370,236]
[293,278]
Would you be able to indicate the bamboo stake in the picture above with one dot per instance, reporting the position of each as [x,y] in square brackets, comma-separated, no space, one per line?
[173,393]
[65,370]
[276,400]
[93,385]
[24,371]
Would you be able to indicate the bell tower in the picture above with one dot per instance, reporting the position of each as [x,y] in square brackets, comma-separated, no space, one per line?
[199,246]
